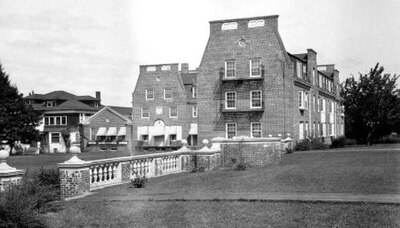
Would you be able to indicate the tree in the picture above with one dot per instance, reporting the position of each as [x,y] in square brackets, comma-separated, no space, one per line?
[18,122]
[372,107]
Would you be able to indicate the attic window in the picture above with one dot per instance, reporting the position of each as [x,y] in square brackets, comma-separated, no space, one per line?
[229,26]
[166,68]
[256,23]
[151,68]
[49,103]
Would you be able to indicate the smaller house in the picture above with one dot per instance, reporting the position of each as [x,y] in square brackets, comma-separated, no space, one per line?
[108,130]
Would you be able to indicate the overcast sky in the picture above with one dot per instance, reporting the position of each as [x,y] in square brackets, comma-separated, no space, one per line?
[86,46]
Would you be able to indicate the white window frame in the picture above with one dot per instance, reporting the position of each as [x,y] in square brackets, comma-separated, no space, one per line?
[252,129]
[251,68]
[49,103]
[194,91]
[145,117]
[298,68]
[234,68]
[226,129]
[226,100]
[301,130]
[170,112]
[306,103]
[169,93]
[194,111]
[63,120]
[55,133]
[147,94]
[251,99]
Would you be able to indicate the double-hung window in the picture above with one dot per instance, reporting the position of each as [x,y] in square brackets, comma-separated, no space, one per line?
[173,112]
[149,94]
[255,68]
[230,130]
[167,93]
[255,99]
[230,69]
[194,92]
[145,113]
[230,100]
[194,111]
[256,130]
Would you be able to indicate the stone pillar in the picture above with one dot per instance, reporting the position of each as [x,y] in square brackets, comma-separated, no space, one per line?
[9,176]
[74,177]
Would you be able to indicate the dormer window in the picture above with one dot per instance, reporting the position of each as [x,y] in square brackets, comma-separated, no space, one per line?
[49,103]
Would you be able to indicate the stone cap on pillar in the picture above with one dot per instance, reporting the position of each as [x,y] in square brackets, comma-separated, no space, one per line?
[5,169]
[74,162]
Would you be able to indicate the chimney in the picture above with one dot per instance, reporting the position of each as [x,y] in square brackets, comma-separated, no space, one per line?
[184,68]
[98,95]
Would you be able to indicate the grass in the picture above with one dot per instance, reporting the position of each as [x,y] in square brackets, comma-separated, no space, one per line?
[352,172]
[223,214]
[340,172]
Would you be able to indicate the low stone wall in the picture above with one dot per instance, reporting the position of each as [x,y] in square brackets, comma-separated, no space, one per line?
[260,151]
[79,177]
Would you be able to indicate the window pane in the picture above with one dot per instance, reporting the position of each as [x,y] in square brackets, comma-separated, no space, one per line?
[230,69]
[64,120]
[231,130]
[230,99]
[173,112]
[145,113]
[255,67]
[149,94]
[255,99]
[168,93]
[256,130]
[55,137]
[51,118]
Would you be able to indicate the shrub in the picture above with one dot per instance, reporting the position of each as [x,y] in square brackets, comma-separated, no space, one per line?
[22,205]
[199,164]
[139,181]
[388,140]
[317,144]
[303,145]
[239,165]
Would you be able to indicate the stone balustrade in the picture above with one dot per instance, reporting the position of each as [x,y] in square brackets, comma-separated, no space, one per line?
[79,177]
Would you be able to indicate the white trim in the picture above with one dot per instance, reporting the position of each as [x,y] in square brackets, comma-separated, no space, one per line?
[194,110]
[167,98]
[226,129]
[259,66]
[170,108]
[87,121]
[226,68]
[51,137]
[251,129]
[54,118]
[251,99]
[149,99]
[226,100]
[141,113]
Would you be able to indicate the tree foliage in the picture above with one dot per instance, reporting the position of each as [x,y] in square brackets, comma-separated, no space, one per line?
[18,122]
[372,106]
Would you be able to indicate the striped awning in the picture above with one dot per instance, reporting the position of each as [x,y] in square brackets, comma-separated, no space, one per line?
[122,131]
[102,131]
[112,131]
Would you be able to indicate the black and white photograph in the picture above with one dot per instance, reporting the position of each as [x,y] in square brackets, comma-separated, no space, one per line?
[225,113]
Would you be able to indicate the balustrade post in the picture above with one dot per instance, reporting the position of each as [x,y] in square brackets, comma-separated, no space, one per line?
[74,177]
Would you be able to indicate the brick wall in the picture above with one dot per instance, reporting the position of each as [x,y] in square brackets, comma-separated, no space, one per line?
[74,182]
[263,43]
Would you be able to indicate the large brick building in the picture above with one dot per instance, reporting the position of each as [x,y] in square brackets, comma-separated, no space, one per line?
[165,105]
[248,84]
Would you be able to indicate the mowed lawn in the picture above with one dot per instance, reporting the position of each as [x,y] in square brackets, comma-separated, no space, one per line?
[363,172]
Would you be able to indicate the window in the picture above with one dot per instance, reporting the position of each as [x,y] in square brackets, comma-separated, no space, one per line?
[194,111]
[315,103]
[149,94]
[55,137]
[255,98]
[55,120]
[230,100]
[167,93]
[173,112]
[77,137]
[145,113]
[92,133]
[145,137]
[229,26]
[256,130]
[230,68]
[49,103]
[301,99]
[304,69]
[306,100]
[194,92]
[298,69]
[230,130]
[255,68]
[301,130]
[165,68]
[256,23]
[151,69]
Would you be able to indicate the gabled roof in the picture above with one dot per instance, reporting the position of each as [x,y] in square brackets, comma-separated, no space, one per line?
[189,78]
[72,104]
[302,56]
[125,111]
[87,121]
